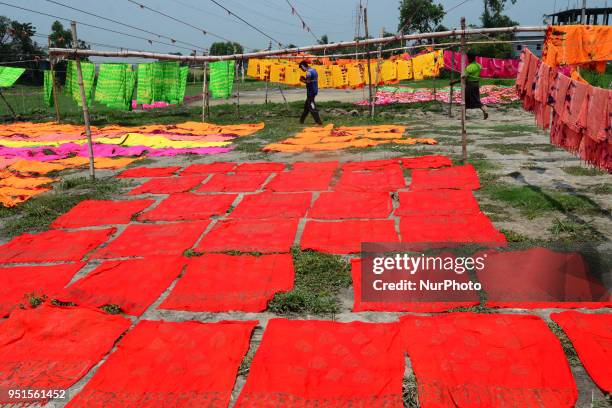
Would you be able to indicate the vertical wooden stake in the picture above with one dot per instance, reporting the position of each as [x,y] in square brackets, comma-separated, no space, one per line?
[365,22]
[267,84]
[205,94]
[450,102]
[75,45]
[463,83]
[237,80]
[52,64]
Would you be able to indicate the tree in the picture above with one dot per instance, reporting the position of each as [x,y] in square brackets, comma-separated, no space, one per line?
[16,41]
[324,39]
[225,48]
[62,37]
[492,16]
[419,16]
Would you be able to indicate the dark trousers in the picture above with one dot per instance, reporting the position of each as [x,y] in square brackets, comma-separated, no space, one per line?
[310,107]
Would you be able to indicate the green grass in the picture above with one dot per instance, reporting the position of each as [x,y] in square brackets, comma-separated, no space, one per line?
[318,280]
[604,188]
[583,171]
[568,347]
[519,148]
[411,392]
[573,231]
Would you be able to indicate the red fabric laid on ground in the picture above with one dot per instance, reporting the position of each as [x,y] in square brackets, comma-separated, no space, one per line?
[301,180]
[369,165]
[170,364]
[345,237]
[487,360]
[168,185]
[51,347]
[189,206]
[19,281]
[437,202]
[234,183]
[458,177]
[266,236]
[223,283]
[420,301]
[315,166]
[260,167]
[387,178]
[426,162]
[591,335]
[476,228]
[204,169]
[339,205]
[540,278]
[133,285]
[314,363]
[273,205]
[149,172]
[154,239]
[51,246]
[101,212]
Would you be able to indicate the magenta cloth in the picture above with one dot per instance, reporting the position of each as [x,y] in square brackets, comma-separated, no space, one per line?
[491,67]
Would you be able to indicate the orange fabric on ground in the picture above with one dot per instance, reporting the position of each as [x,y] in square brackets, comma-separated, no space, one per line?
[10,196]
[25,182]
[33,166]
[110,163]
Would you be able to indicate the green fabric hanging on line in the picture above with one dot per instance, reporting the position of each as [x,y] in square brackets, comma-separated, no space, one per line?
[9,75]
[72,81]
[144,92]
[115,85]
[48,88]
[182,83]
[221,79]
[166,82]
[130,84]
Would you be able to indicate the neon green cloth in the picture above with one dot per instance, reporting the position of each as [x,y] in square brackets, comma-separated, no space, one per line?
[182,83]
[144,93]
[48,88]
[8,76]
[472,72]
[115,85]
[221,79]
[165,81]
[72,81]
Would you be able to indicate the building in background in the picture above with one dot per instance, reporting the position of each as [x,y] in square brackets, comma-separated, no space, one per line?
[533,41]
[593,16]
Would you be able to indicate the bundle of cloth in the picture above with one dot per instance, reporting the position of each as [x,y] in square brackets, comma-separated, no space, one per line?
[491,94]
[577,113]
[491,67]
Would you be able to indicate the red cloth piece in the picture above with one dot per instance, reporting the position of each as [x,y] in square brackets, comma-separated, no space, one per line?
[101,212]
[476,228]
[387,178]
[345,237]
[223,283]
[337,205]
[458,177]
[168,185]
[314,363]
[240,182]
[316,166]
[133,285]
[591,335]
[265,236]
[426,162]
[189,206]
[487,360]
[273,205]
[207,168]
[18,281]
[154,239]
[149,172]
[260,167]
[170,364]
[369,165]
[422,302]
[437,202]
[301,180]
[51,347]
[53,246]
[540,278]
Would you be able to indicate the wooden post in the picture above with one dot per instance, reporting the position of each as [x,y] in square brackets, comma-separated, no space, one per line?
[450,101]
[365,22]
[9,105]
[463,83]
[205,94]
[52,65]
[267,85]
[75,45]
[238,91]
[283,95]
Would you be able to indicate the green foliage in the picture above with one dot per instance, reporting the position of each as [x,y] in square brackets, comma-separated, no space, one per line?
[225,48]
[420,16]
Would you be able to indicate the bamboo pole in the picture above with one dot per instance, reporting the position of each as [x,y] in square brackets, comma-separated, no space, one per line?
[463,83]
[75,43]
[52,66]
[450,101]
[365,23]
[205,94]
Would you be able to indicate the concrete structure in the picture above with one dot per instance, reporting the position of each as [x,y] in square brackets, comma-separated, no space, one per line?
[534,42]
[594,16]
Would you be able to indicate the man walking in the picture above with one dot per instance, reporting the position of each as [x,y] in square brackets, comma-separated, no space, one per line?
[312,89]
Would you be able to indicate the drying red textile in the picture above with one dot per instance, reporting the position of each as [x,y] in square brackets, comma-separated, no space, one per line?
[265,236]
[19,281]
[437,202]
[426,162]
[153,239]
[190,207]
[224,283]
[591,335]
[487,360]
[599,108]
[301,180]
[240,182]
[346,237]
[369,164]
[458,177]
[475,228]
[315,166]
[339,205]
[313,363]
[101,212]
[170,364]
[168,185]
[542,88]
[149,172]
[273,205]
[261,167]
[204,169]
[387,178]
[541,278]
[133,285]
[51,246]
[51,348]
[417,301]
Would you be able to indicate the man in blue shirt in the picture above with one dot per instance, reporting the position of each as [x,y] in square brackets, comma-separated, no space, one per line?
[312,89]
